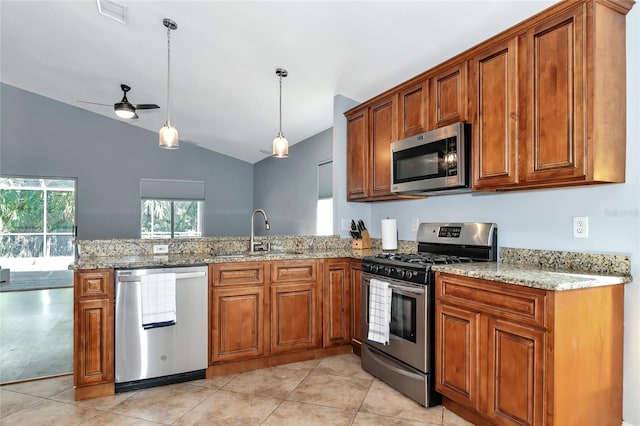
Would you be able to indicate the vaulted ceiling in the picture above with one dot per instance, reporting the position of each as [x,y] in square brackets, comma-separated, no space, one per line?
[224,90]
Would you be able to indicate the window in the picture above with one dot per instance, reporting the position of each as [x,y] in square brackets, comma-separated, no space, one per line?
[171,218]
[324,207]
[171,208]
[37,217]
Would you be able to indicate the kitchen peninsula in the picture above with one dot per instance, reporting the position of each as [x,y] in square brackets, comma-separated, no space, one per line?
[302,299]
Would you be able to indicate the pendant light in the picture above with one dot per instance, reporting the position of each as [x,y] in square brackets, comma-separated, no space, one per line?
[280,143]
[168,133]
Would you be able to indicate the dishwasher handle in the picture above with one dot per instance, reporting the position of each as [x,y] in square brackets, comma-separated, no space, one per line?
[179,276]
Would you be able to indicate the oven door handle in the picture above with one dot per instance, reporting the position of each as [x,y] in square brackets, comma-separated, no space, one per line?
[407,291]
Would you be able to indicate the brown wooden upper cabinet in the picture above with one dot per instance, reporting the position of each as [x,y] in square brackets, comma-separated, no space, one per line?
[493,76]
[546,99]
[547,103]
[370,132]
[358,154]
[413,109]
[449,95]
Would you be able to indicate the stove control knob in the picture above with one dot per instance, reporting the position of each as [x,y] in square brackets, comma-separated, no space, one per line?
[387,270]
[401,274]
[374,268]
[408,275]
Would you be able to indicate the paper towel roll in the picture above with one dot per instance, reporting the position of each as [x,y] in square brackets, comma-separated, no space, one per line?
[389,234]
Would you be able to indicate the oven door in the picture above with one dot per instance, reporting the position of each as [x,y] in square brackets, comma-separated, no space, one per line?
[408,328]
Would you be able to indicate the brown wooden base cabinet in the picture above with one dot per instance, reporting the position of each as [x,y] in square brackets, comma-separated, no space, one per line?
[356,283]
[237,309]
[513,355]
[336,309]
[93,333]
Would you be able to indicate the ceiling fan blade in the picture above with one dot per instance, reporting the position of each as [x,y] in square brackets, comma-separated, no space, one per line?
[146,106]
[95,103]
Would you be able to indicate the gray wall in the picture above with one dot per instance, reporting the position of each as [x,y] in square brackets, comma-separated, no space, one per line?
[43,137]
[287,189]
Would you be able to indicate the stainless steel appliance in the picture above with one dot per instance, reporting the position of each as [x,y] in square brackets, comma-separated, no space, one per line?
[435,162]
[407,363]
[163,352]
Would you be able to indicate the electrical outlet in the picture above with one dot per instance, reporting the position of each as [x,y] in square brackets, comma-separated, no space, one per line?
[160,249]
[415,223]
[580,227]
[345,224]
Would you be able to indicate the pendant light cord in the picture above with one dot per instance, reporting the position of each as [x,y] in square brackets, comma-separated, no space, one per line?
[280,134]
[168,75]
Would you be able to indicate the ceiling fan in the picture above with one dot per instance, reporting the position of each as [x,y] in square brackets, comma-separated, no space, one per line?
[125,109]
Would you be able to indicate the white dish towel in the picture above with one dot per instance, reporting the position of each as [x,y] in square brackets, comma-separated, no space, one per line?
[379,311]
[158,300]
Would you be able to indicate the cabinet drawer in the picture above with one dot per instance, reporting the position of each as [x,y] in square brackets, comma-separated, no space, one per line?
[293,271]
[94,283]
[239,273]
[523,304]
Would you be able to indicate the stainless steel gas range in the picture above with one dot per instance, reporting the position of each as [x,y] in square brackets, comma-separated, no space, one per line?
[402,355]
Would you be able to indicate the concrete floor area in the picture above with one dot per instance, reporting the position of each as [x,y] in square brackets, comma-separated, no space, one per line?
[36,333]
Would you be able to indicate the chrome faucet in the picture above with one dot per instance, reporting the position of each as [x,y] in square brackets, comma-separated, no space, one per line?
[253,244]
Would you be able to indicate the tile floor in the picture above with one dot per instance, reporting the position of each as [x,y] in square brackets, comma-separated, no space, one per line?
[43,316]
[331,391]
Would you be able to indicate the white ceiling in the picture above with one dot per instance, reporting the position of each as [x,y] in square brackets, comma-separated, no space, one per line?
[224,93]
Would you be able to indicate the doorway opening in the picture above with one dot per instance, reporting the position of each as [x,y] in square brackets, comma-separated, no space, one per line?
[37,228]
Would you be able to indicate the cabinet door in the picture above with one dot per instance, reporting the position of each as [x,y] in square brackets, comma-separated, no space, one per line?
[295,323]
[356,283]
[93,327]
[457,354]
[449,95]
[358,155]
[384,130]
[93,342]
[237,323]
[493,106]
[413,110]
[336,315]
[553,67]
[515,362]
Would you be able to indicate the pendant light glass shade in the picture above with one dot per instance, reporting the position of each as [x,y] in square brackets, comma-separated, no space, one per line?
[168,135]
[280,146]
[280,143]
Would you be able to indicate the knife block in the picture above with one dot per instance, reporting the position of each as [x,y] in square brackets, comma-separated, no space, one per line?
[363,243]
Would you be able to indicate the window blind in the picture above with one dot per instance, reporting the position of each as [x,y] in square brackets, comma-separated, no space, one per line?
[171,189]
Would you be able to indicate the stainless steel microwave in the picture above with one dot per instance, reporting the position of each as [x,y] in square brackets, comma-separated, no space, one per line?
[435,162]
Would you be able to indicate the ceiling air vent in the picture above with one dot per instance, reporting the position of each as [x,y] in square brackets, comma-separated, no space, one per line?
[112,10]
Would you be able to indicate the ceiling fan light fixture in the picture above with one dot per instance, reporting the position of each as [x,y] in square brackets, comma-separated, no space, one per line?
[168,135]
[280,143]
[125,110]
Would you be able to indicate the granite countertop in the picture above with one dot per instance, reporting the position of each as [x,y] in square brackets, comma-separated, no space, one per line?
[555,279]
[121,262]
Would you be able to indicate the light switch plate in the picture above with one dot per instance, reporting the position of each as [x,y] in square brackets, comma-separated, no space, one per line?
[345,224]
[415,223]
[160,248]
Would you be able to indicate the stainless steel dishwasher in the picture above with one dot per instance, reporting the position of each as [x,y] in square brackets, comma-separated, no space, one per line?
[167,351]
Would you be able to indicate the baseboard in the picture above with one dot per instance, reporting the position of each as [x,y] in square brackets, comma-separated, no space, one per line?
[626,424]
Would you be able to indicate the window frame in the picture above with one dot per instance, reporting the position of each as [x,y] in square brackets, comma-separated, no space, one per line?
[172,222]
